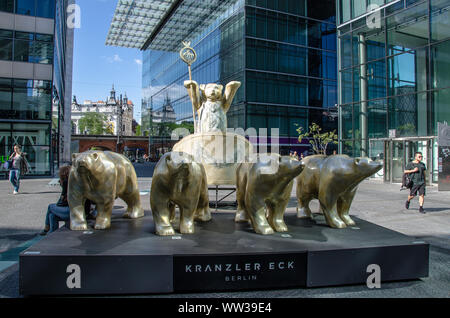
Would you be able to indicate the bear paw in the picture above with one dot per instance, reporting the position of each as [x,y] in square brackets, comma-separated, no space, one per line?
[187,227]
[165,230]
[279,226]
[263,229]
[336,223]
[241,216]
[203,215]
[347,220]
[78,226]
[102,223]
[134,213]
[304,213]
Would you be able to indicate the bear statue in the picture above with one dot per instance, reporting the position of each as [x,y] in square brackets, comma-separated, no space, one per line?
[101,177]
[333,180]
[179,181]
[266,181]
[211,105]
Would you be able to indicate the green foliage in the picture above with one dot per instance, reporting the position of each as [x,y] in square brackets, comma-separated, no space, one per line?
[95,124]
[406,130]
[165,129]
[54,122]
[317,139]
[138,130]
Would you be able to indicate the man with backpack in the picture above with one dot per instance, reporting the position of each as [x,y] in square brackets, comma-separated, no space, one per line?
[416,170]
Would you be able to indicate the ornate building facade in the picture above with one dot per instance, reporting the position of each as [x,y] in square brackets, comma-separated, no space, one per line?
[118,110]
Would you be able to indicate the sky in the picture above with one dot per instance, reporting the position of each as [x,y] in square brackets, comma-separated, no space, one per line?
[96,67]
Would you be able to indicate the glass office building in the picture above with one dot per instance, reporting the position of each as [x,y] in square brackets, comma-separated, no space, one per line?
[32,79]
[393,80]
[282,51]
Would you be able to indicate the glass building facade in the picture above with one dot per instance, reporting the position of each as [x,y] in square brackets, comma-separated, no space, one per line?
[393,79]
[282,51]
[32,80]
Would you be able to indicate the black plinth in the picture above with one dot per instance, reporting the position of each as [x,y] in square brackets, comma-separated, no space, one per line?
[222,255]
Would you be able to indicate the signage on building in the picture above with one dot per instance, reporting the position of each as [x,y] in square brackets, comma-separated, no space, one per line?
[392,133]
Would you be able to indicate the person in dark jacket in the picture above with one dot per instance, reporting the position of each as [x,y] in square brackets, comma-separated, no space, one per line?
[19,167]
[59,211]
[416,169]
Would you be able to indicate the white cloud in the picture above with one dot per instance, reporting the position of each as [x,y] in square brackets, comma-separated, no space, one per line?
[113,59]
[138,61]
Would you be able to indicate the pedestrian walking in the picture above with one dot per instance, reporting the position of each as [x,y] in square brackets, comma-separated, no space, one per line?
[416,169]
[19,167]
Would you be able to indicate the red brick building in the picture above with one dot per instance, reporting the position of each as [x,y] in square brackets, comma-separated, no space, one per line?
[130,145]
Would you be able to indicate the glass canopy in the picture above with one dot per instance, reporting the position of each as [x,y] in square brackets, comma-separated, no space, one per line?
[162,24]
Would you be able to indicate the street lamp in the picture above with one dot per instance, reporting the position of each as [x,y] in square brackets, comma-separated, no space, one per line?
[150,127]
[119,112]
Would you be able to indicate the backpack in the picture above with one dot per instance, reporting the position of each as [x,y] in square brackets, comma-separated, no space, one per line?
[406,182]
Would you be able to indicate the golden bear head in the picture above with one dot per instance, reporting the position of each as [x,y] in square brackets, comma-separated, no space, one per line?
[88,161]
[290,166]
[212,92]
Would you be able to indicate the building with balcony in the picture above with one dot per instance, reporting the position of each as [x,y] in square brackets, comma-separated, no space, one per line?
[111,108]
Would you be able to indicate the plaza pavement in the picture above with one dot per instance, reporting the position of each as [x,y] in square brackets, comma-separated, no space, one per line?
[22,217]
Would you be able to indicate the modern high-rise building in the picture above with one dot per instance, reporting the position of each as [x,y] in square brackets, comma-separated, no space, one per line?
[394,84]
[282,51]
[36,49]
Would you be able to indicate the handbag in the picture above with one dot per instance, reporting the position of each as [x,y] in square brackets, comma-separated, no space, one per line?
[406,181]
[8,164]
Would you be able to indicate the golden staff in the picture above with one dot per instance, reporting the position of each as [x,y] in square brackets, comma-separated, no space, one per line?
[188,55]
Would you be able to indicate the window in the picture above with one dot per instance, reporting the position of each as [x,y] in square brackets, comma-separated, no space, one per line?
[23,99]
[377,114]
[46,9]
[23,51]
[359,8]
[7,5]
[408,29]
[35,141]
[43,52]
[30,100]
[345,11]
[6,45]
[402,73]
[441,64]
[441,100]
[322,10]
[5,97]
[26,7]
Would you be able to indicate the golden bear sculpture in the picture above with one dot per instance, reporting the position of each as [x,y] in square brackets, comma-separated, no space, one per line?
[265,182]
[101,177]
[179,180]
[332,180]
[211,105]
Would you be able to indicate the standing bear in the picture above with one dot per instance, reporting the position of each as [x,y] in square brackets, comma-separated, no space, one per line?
[179,180]
[333,180]
[211,105]
[101,177]
[265,182]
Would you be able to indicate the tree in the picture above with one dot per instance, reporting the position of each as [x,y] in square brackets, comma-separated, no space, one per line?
[318,140]
[138,130]
[165,129]
[95,124]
